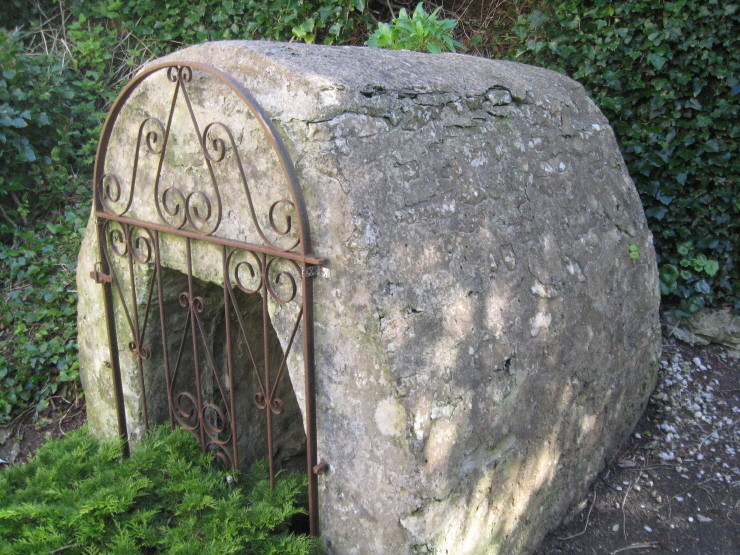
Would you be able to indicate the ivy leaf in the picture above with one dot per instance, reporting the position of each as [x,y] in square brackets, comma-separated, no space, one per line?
[26,154]
[657,60]
[711,267]
[668,273]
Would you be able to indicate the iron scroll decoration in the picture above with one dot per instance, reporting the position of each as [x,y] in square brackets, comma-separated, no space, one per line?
[279,273]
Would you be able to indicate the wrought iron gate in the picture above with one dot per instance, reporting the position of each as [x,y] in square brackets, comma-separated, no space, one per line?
[191,217]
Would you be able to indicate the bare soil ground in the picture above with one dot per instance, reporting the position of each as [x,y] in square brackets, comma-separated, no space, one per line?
[675,487]
[20,439]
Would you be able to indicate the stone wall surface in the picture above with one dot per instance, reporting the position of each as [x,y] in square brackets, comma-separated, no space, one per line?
[484,341]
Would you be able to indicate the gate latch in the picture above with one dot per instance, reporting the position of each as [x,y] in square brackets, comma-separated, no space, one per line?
[316,271]
[99,276]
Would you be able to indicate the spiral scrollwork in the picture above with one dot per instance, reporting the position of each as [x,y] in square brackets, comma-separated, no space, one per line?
[198,208]
[214,147]
[287,208]
[173,203]
[116,238]
[152,136]
[276,404]
[216,424]
[247,274]
[186,411]
[195,208]
[109,188]
[197,303]
[282,283]
[142,352]
[224,455]
[140,243]
[183,74]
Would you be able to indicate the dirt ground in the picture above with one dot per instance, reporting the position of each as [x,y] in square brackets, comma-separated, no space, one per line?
[675,487]
[20,439]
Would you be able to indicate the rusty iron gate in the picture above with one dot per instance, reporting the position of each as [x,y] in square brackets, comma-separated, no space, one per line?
[276,268]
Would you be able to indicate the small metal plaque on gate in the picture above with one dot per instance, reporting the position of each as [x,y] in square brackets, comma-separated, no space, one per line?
[316,271]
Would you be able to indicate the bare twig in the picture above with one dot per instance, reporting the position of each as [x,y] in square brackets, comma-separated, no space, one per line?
[18,418]
[684,492]
[624,501]
[62,548]
[635,546]
[20,206]
[674,328]
[725,427]
[588,517]
[390,7]
[7,218]
[709,494]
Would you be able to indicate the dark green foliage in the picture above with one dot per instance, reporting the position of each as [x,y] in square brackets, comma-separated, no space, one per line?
[37,136]
[38,307]
[166,498]
[161,28]
[667,75]
[24,14]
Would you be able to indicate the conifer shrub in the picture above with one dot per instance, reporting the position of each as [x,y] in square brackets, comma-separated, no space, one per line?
[78,496]
[667,75]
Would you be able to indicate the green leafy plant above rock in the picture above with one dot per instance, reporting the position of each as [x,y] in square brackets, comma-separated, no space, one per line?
[421,32]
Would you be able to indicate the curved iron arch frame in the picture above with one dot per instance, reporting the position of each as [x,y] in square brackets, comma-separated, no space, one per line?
[180,73]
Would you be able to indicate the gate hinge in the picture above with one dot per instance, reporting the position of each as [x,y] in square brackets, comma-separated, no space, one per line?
[316,271]
[99,276]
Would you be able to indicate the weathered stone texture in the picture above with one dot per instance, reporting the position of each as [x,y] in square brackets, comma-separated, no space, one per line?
[485,340]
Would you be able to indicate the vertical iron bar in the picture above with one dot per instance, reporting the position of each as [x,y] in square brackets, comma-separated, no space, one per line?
[309,394]
[163,328]
[268,382]
[137,332]
[229,363]
[194,332]
[110,323]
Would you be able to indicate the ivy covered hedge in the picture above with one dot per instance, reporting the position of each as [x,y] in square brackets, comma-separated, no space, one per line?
[38,135]
[667,75]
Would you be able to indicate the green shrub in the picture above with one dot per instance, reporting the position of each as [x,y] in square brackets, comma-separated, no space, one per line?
[38,308]
[24,13]
[37,136]
[421,32]
[160,29]
[667,75]
[79,494]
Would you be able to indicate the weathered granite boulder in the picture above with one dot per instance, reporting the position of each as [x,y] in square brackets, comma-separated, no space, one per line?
[485,341]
